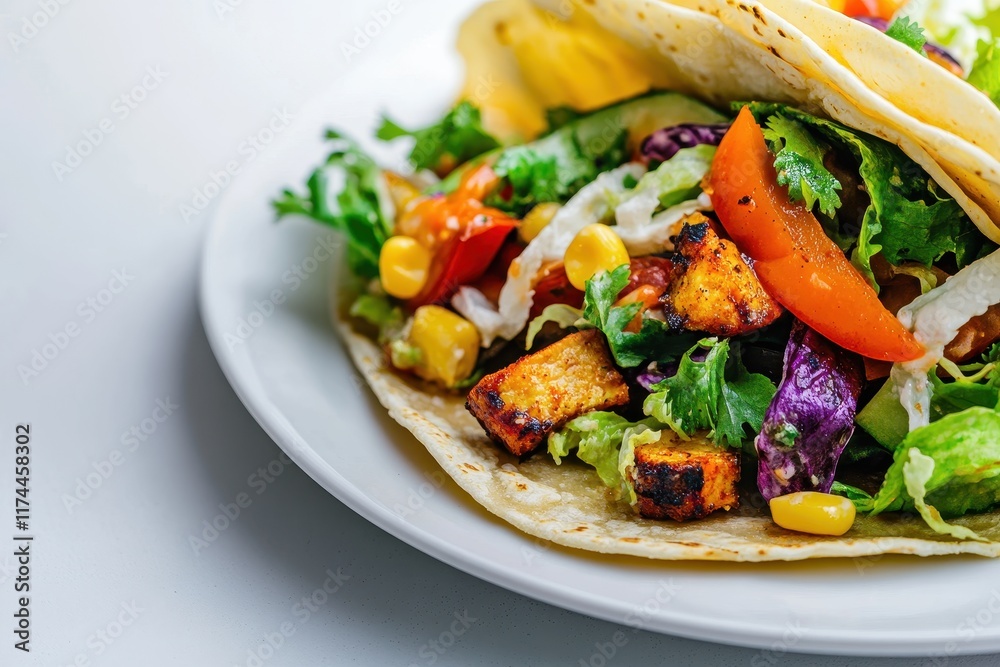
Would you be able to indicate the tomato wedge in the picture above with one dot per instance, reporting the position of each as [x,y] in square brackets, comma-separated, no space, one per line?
[793,257]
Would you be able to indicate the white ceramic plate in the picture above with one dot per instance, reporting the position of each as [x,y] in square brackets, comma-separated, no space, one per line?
[265,308]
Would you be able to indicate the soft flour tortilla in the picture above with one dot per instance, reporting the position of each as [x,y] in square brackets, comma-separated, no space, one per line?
[568,504]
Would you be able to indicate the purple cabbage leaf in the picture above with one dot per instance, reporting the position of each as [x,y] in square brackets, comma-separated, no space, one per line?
[663,144]
[811,418]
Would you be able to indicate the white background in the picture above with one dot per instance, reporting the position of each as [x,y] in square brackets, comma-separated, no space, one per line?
[223,74]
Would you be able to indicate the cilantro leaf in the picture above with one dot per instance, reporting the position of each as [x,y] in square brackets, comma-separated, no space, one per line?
[654,341]
[456,138]
[344,193]
[908,32]
[799,163]
[985,74]
[715,393]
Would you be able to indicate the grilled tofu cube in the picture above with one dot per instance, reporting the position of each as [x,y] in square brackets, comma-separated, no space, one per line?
[718,292]
[684,480]
[520,405]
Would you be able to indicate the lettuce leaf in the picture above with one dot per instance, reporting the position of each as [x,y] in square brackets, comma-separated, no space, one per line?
[715,394]
[596,437]
[456,138]
[985,74]
[346,193]
[946,469]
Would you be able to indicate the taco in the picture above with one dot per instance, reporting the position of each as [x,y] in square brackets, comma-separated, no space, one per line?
[673,282]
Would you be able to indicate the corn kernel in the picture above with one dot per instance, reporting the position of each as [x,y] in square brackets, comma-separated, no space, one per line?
[448,344]
[814,513]
[536,220]
[401,191]
[403,265]
[596,248]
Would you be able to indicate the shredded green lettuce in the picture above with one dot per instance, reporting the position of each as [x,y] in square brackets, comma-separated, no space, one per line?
[347,192]
[945,470]
[453,140]
[596,437]
[716,394]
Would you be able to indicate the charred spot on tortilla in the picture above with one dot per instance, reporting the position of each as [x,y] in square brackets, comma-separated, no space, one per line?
[518,406]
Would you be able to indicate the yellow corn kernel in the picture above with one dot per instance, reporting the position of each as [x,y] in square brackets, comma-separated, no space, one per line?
[403,265]
[448,344]
[814,513]
[536,220]
[596,248]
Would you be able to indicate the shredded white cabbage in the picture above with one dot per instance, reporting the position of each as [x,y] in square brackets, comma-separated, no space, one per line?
[935,319]
[653,235]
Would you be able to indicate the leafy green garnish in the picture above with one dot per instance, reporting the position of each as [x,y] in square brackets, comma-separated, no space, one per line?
[799,163]
[567,164]
[456,138]
[946,469]
[985,74]
[345,193]
[908,32]
[654,341]
[909,217]
[716,394]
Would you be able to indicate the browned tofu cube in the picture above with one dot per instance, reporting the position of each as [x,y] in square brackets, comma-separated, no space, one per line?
[520,405]
[718,292]
[684,480]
